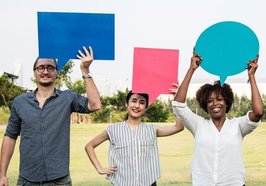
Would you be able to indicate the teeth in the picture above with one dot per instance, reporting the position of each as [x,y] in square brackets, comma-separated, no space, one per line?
[216,109]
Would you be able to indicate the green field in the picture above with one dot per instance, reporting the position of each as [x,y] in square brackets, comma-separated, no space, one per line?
[175,153]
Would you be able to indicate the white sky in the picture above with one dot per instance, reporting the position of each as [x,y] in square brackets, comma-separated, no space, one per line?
[168,24]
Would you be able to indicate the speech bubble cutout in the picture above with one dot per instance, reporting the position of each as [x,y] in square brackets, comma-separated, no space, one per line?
[154,70]
[226,47]
[61,35]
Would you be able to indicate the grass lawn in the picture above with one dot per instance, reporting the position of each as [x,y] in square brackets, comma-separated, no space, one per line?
[175,156]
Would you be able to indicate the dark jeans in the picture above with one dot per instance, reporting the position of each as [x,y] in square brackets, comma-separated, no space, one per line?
[154,184]
[64,181]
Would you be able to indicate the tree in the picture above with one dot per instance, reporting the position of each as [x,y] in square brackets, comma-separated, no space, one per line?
[8,91]
[118,100]
[157,112]
[4,87]
[77,86]
[63,75]
[113,108]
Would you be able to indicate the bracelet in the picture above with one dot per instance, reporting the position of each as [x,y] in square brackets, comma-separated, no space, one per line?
[87,76]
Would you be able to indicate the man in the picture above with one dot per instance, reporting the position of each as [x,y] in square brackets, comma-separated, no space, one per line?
[42,119]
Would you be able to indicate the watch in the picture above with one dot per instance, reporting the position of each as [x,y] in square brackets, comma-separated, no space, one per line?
[87,76]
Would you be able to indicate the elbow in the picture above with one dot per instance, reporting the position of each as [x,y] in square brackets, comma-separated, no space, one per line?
[260,114]
[88,148]
[181,128]
[257,115]
[95,106]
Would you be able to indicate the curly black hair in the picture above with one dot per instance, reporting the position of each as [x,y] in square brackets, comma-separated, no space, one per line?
[205,91]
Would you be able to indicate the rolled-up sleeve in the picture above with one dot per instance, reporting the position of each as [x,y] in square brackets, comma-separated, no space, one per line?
[14,123]
[246,125]
[79,103]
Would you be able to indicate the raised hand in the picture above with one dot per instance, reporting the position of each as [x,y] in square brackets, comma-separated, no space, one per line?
[195,60]
[252,66]
[86,59]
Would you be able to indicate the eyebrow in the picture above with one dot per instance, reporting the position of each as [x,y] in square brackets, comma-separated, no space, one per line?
[46,66]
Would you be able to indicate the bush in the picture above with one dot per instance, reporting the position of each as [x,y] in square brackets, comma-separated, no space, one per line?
[4,115]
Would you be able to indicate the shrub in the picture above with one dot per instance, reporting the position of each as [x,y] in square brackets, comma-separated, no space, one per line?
[4,115]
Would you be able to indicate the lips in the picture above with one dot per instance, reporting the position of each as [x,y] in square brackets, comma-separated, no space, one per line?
[217,109]
[45,77]
[135,111]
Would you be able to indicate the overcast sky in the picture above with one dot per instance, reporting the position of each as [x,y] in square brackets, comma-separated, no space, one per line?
[164,24]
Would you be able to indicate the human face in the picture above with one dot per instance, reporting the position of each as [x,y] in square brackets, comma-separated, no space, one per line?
[44,73]
[136,106]
[216,106]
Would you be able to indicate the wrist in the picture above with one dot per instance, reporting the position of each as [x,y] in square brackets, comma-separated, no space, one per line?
[191,70]
[85,71]
[88,75]
[251,75]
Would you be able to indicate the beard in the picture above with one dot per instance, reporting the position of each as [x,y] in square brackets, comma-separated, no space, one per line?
[45,80]
[46,84]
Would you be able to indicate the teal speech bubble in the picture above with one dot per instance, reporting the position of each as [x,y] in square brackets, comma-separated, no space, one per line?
[226,47]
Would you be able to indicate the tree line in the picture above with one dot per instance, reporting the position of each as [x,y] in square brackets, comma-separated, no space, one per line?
[113,107]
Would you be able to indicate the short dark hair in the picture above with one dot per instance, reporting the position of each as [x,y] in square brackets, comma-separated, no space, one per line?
[130,93]
[205,91]
[146,97]
[36,61]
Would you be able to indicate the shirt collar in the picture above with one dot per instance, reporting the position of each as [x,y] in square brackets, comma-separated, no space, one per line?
[32,94]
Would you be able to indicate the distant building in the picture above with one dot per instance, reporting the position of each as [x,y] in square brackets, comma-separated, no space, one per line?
[16,76]
[11,77]
[103,84]
[240,87]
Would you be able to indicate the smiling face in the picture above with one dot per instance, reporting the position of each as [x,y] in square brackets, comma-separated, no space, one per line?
[216,106]
[45,72]
[136,106]
[212,94]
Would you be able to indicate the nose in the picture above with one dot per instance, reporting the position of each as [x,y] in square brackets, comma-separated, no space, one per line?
[215,102]
[45,70]
[137,104]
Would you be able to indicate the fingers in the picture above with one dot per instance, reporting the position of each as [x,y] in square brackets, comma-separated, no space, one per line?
[253,63]
[81,55]
[174,90]
[196,54]
[196,59]
[175,85]
[91,52]
[109,170]
[87,53]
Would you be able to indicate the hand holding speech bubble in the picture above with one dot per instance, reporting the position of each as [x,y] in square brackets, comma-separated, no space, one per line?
[154,70]
[226,47]
[61,35]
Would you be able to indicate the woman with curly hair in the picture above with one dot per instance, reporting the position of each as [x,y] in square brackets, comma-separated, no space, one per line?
[217,156]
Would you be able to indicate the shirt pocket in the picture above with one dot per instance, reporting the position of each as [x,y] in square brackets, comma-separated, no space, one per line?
[146,149]
[122,149]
